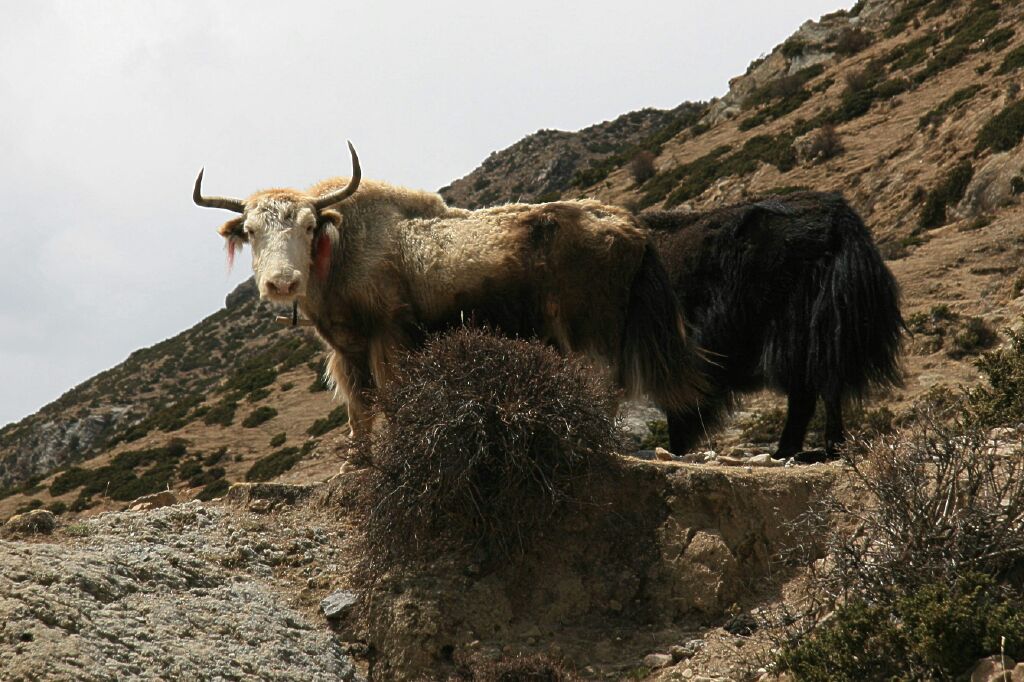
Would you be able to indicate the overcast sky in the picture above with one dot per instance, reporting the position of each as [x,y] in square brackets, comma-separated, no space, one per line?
[108,109]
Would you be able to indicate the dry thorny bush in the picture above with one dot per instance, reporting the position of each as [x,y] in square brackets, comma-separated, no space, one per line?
[484,441]
[926,507]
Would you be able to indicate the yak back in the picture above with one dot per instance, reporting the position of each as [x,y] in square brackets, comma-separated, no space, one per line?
[784,290]
[561,272]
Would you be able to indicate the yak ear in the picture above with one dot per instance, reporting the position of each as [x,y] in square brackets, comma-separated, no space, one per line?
[233,229]
[330,218]
[234,237]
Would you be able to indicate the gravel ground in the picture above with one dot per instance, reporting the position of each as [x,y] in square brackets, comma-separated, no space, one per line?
[176,593]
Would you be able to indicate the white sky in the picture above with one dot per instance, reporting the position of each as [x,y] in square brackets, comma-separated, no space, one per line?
[108,109]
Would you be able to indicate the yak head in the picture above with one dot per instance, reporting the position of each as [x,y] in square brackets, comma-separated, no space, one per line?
[291,234]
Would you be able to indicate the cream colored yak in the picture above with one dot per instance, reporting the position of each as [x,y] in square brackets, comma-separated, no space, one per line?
[377,267]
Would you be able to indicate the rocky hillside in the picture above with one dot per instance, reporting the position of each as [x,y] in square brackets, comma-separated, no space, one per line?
[912,109]
[542,166]
[239,550]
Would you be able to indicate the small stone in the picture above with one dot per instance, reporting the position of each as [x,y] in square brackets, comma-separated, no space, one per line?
[164,498]
[765,460]
[694,458]
[655,661]
[338,604]
[663,455]
[35,522]
[688,673]
[683,651]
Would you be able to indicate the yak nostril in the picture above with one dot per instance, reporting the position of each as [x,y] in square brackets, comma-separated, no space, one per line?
[283,287]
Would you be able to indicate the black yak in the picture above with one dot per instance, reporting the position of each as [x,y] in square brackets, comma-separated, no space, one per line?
[788,293]
[375,267]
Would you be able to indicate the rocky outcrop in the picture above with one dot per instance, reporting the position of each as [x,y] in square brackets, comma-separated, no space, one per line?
[149,596]
[660,547]
[53,442]
[815,42]
[999,182]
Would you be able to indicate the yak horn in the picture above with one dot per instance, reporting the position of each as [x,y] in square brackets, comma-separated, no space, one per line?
[341,194]
[236,205]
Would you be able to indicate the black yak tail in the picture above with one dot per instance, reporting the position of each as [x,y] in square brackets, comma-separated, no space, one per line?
[850,303]
[658,357]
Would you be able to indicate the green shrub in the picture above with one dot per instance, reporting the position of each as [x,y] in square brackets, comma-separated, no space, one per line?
[81,503]
[260,415]
[999,38]
[1001,401]
[976,24]
[907,12]
[189,468]
[484,441]
[335,418]
[257,395]
[793,47]
[273,465]
[216,456]
[911,53]
[57,507]
[206,477]
[68,480]
[973,337]
[222,414]
[685,116]
[780,96]
[948,192]
[1014,60]
[1003,131]
[935,632]
[851,41]
[891,88]
[278,440]
[691,179]
[937,115]
[119,480]
[213,490]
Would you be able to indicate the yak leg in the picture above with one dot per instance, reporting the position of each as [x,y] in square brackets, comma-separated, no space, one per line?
[834,434]
[799,410]
[350,372]
[687,428]
[684,431]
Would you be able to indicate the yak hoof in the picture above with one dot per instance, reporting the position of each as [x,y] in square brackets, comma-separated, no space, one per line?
[814,456]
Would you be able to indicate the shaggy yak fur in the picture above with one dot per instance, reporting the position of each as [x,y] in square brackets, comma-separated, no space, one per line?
[386,266]
[788,293]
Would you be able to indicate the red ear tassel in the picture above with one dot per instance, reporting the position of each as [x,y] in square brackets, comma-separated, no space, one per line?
[322,256]
[231,247]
